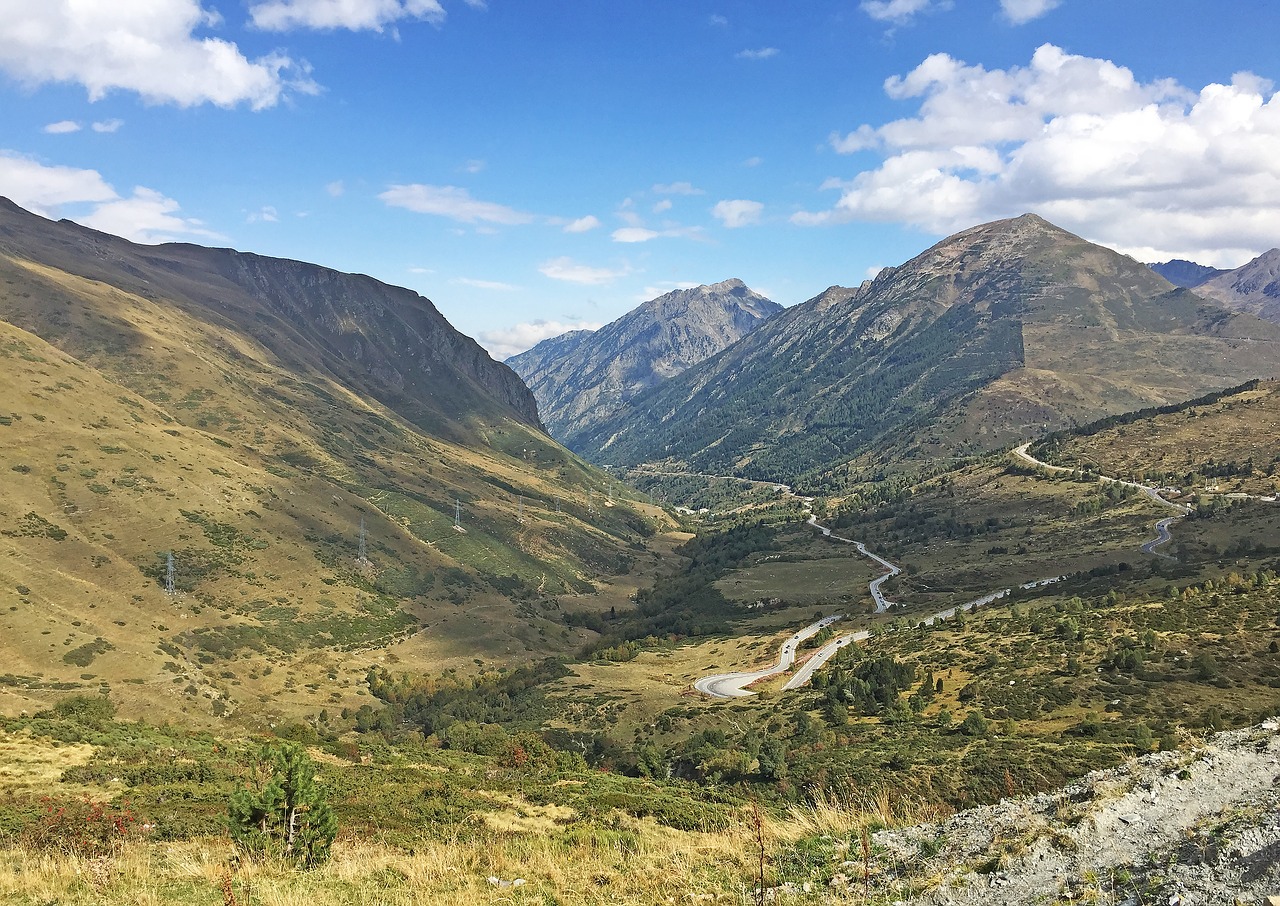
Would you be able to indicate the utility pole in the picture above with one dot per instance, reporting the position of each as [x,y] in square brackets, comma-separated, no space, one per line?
[364,552]
[520,510]
[457,515]
[170,588]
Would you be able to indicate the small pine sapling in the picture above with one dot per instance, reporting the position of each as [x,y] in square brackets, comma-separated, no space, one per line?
[284,814]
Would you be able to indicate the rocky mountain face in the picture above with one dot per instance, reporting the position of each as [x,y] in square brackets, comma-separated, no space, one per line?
[383,341]
[996,333]
[1252,288]
[582,379]
[1181,272]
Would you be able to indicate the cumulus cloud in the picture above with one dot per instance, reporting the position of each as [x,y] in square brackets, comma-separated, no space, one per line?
[452,202]
[901,12]
[145,46]
[1021,11]
[761,53]
[583,224]
[335,188]
[44,189]
[267,214]
[108,126]
[1151,168]
[508,341]
[662,206]
[570,271]
[62,127]
[147,216]
[738,212]
[355,15]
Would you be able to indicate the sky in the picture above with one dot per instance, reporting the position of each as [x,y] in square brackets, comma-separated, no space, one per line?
[535,166]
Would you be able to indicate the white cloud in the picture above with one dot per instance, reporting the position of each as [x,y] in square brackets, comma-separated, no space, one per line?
[762,53]
[108,126]
[717,20]
[753,162]
[145,46]
[738,212]
[355,15]
[336,188]
[901,12]
[148,217]
[1020,12]
[485,284]
[662,206]
[505,342]
[474,166]
[267,214]
[1153,169]
[583,224]
[43,189]
[452,202]
[568,270]
[644,234]
[62,127]
[676,188]
[634,234]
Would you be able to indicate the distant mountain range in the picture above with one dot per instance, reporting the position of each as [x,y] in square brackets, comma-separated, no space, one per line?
[998,333]
[1181,272]
[583,379]
[1254,288]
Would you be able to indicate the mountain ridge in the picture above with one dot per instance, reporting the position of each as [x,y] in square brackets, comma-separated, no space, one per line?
[1001,330]
[582,377]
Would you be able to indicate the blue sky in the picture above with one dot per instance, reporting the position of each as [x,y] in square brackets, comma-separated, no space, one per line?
[532,166]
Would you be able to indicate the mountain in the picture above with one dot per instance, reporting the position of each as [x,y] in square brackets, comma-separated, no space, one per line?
[581,379]
[301,443]
[997,333]
[1253,288]
[1181,272]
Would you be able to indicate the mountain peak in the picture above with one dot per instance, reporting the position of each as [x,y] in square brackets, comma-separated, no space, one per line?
[1252,288]
[578,382]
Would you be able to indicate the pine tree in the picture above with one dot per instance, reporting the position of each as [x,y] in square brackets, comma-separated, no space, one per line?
[285,816]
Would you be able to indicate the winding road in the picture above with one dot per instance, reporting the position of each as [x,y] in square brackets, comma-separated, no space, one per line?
[733,685]
[1163,533]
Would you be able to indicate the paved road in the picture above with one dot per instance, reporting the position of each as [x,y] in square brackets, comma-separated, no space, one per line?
[882,603]
[733,685]
[1163,534]
[827,651]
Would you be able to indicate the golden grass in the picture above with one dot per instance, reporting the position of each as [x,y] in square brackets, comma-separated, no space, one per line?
[31,764]
[639,862]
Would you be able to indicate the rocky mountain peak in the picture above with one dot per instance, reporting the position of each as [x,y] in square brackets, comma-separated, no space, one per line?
[581,380]
[1252,288]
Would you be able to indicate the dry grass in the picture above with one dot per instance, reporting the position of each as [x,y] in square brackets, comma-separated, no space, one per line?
[637,863]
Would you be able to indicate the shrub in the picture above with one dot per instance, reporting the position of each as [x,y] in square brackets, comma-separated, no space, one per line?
[283,815]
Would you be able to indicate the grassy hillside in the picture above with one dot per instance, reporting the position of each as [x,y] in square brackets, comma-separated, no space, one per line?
[136,426]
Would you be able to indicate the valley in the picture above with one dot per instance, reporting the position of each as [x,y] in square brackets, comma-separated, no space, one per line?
[252,499]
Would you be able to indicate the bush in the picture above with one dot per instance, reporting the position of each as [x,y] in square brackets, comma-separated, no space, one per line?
[283,815]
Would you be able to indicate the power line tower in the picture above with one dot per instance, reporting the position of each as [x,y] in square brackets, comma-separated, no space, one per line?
[363,558]
[457,515]
[520,510]
[170,586]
